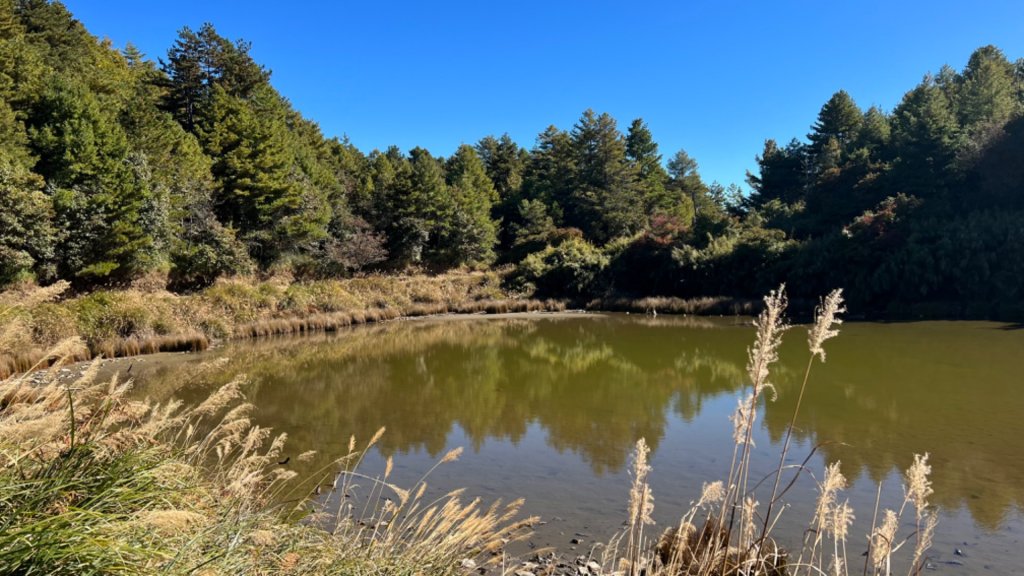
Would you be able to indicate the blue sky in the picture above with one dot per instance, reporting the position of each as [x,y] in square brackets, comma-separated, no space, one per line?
[716,78]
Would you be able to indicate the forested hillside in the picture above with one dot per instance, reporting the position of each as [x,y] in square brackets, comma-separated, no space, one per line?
[117,167]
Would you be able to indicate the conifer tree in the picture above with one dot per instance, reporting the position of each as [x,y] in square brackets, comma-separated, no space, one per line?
[642,153]
[472,232]
[97,197]
[27,237]
[604,202]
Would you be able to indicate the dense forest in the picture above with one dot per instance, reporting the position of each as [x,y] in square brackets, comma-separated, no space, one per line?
[115,168]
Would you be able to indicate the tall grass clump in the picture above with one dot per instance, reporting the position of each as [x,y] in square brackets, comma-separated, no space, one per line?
[94,482]
[728,532]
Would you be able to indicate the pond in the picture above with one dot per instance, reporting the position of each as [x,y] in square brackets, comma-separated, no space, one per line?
[548,407]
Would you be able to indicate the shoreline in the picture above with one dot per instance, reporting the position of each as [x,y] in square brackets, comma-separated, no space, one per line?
[133,346]
[129,323]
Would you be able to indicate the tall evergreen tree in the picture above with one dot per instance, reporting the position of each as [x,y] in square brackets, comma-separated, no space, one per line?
[642,153]
[98,198]
[782,174]
[27,237]
[472,234]
[604,202]
[256,189]
[835,130]
[197,62]
[987,90]
[690,191]
[504,161]
[926,134]
[548,176]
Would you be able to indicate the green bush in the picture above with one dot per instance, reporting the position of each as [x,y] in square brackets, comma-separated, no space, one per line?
[572,268]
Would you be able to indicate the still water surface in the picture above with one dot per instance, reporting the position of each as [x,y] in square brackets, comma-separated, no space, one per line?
[549,407]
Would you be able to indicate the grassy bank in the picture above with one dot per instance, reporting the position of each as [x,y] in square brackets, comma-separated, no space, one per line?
[128,322]
[115,323]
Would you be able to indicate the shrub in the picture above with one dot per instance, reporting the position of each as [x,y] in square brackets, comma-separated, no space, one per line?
[571,268]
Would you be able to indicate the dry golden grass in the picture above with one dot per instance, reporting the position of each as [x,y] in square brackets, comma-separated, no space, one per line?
[93,482]
[129,322]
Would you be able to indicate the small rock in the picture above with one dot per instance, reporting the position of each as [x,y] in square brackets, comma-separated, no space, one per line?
[594,567]
[583,571]
[576,541]
[959,552]
[524,573]
[467,563]
[531,566]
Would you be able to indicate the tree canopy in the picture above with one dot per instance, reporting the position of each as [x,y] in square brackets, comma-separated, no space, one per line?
[115,167]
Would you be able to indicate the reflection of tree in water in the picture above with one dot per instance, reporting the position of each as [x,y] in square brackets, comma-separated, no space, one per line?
[593,385]
[888,391]
[596,384]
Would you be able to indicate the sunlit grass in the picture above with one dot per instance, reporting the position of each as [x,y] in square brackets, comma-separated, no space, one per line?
[118,323]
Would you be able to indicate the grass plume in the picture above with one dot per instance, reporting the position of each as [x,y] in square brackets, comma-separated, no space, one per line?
[723,533]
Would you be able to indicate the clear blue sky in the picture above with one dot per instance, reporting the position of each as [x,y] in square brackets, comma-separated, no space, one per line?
[716,77]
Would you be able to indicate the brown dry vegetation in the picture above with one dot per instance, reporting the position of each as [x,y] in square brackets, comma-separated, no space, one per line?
[129,322]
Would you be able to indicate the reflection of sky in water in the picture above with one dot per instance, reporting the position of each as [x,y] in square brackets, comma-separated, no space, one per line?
[549,409]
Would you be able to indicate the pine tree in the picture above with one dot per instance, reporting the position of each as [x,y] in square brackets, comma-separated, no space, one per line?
[548,176]
[689,192]
[255,188]
[835,130]
[504,161]
[987,90]
[27,237]
[82,154]
[926,133]
[472,233]
[604,202]
[199,61]
[642,153]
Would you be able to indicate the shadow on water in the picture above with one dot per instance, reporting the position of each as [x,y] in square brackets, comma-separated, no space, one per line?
[588,387]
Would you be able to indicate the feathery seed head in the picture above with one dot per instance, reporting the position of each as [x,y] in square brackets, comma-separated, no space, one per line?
[641,499]
[452,455]
[918,487]
[770,325]
[883,539]
[712,493]
[825,320]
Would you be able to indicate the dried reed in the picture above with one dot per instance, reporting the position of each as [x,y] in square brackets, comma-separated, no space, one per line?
[722,533]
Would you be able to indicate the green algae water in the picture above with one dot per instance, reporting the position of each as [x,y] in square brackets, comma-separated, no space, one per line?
[548,408]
